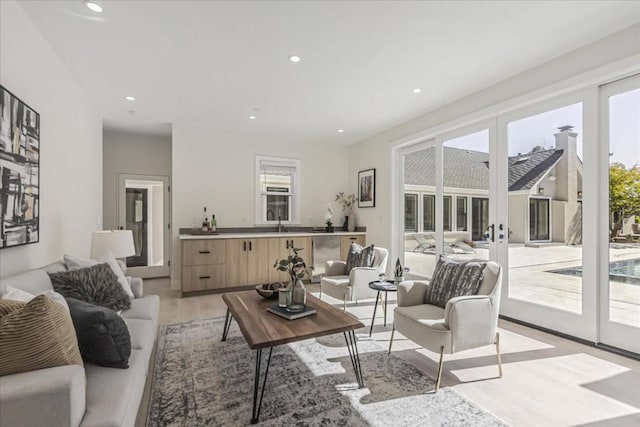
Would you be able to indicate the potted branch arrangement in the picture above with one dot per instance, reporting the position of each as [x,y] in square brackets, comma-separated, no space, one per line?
[295,266]
[327,220]
[347,201]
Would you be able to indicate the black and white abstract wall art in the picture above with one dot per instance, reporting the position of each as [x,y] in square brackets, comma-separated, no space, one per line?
[19,172]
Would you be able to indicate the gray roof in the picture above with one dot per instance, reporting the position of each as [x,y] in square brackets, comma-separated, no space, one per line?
[470,169]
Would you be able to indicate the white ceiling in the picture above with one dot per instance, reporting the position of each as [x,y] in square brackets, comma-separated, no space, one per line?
[212,63]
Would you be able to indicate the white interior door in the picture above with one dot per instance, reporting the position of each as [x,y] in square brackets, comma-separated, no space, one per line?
[144,208]
[619,262]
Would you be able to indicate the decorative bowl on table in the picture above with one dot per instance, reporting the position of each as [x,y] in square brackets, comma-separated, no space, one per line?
[269,290]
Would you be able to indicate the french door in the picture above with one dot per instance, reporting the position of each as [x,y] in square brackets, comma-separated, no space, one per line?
[619,237]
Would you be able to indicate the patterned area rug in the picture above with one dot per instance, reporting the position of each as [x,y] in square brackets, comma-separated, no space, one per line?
[202,381]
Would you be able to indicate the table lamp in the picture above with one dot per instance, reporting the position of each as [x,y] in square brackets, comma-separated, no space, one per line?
[119,242]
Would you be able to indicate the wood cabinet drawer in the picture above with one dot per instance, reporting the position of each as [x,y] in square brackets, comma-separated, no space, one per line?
[203,277]
[203,252]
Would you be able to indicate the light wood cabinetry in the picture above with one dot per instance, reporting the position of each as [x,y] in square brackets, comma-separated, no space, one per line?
[247,262]
[203,265]
[281,248]
[345,242]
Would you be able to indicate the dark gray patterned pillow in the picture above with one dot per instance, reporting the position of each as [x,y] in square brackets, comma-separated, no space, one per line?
[453,279]
[359,256]
[96,285]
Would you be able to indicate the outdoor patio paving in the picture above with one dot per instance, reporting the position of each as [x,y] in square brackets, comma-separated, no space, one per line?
[531,278]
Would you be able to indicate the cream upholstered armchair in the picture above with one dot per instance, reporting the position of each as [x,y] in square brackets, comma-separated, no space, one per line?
[466,322]
[353,285]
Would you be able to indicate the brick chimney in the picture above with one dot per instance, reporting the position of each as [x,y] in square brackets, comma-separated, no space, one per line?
[567,167]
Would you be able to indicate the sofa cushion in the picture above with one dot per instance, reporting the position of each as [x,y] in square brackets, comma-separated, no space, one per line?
[114,395]
[453,279]
[96,285]
[37,335]
[147,307]
[76,263]
[103,336]
[16,294]
[425,314]
[359,256]
[32,281]
[340,281]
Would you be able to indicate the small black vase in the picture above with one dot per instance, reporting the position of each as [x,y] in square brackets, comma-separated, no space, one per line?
[345,226]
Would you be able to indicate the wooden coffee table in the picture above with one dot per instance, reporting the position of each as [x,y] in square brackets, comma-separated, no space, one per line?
[262,330]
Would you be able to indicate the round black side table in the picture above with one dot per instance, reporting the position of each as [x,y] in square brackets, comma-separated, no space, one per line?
[386,287]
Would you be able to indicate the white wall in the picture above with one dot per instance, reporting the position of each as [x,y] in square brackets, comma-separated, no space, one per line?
[70,144]
[374,152]
[130,153]
[215,168]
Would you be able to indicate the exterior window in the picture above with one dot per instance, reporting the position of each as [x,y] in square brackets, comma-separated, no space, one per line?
[446,213]
[278,195]
[429,212]
[538,219]
[411,212]
[461,213]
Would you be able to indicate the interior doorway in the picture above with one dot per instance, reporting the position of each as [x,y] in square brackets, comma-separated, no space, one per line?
[144,208]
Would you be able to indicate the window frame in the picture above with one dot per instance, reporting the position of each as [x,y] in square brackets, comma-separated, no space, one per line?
[416,198]
[464,224]
[295,194]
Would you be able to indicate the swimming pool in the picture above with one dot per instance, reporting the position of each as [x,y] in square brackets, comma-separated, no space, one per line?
[627,271]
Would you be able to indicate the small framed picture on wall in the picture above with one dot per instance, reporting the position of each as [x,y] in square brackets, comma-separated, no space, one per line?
[367,188]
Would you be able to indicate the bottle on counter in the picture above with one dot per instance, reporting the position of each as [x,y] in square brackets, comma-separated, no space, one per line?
[205,220]
[214,223]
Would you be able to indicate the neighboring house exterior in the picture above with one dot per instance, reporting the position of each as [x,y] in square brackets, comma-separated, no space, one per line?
[545,188]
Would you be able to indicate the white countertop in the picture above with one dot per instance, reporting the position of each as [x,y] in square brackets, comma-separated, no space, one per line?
[266,235]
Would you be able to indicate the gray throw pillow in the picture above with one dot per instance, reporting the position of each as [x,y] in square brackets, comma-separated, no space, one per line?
[96,285]
[454,279]
[359,256]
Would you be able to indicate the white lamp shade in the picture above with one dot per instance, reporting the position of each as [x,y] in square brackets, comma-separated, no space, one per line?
[119,242]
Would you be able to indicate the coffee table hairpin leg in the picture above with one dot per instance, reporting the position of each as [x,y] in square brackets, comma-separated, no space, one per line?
[227,323]
[352,346]
[255,415]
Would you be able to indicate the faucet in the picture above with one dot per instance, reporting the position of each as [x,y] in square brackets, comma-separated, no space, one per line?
[279,224]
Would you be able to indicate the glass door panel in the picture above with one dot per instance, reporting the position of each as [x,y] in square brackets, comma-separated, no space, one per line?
[419,211]
[544,190]
[143,208]
[466,178]
[620,293]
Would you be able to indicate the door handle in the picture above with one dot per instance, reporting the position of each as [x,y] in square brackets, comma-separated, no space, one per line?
[292,244]
[205,277]
[205,252]
[121,228]
[493,232]
[244,245]
[287,244]
[249,244]
[353,238]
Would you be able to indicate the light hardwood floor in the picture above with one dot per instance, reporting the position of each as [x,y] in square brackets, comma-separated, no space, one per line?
[548,380]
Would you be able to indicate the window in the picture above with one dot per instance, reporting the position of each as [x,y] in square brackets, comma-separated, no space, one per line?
[429,212]
[278,190]
[411,212]
[461,213]
[446,213]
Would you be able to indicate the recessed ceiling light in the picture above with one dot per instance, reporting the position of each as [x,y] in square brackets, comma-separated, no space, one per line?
[252,117]
[133,112]
[417,90]
[340,130]
[130,98]
[294,58]
[93,6]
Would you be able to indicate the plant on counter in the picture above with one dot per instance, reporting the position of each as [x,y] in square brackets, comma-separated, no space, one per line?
[346,201]
[294,265]
[328,216]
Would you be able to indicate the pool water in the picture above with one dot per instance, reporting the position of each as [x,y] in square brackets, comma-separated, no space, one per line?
[627,271]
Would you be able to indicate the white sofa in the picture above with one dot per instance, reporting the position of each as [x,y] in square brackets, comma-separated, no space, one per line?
[59,396]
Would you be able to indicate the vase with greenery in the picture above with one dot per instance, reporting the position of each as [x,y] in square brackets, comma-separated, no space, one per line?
[295,266]
[347,201]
